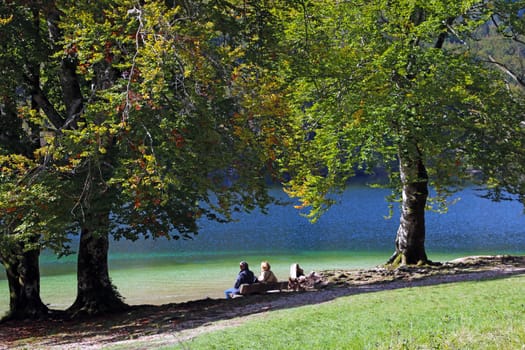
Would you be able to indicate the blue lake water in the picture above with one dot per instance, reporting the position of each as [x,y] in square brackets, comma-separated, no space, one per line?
[352,234]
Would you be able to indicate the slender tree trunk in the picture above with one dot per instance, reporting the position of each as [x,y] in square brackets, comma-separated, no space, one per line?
[23,277]
[410,239]
[95,292]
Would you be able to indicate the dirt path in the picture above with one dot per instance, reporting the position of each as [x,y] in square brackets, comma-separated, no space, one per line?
[172,323]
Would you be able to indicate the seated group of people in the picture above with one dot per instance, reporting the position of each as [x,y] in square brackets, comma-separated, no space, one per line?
[296,281]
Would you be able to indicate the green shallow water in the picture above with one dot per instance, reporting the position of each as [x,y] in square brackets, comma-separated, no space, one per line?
[352,234]
[163,279]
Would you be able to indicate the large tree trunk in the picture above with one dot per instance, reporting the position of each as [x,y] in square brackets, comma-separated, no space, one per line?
[95,292]
[23,276]
[410,239]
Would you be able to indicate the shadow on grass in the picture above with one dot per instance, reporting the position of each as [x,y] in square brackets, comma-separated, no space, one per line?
[169,319]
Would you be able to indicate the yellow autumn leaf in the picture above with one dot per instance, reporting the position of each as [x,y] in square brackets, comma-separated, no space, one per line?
[4,21]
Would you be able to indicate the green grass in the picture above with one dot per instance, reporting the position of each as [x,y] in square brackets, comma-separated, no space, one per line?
[469,315]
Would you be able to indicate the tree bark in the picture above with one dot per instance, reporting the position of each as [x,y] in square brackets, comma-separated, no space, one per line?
[95,292]
[23,277]
[410,239]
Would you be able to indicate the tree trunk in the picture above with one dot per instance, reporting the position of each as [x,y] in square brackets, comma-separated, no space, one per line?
[23,276]
[410,239]
[95,292]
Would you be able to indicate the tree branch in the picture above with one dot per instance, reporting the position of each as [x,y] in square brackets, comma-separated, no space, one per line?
[47,107]
[507,71]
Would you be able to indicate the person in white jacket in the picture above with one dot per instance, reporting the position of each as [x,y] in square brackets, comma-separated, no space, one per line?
[267,275]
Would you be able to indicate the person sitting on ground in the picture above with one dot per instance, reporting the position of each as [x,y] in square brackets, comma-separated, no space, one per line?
[244,276]
[267,275]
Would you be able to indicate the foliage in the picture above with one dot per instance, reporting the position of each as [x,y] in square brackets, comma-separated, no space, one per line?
[149,129]
[373,84]
[500,43]
[25,211]
[164,112]
[25,196]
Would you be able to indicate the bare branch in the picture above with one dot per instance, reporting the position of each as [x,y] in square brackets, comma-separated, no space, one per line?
[138,13]
[507,71]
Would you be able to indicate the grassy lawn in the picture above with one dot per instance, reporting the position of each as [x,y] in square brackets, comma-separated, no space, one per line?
[468,315]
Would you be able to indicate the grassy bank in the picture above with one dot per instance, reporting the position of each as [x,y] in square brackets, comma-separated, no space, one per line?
[467,315]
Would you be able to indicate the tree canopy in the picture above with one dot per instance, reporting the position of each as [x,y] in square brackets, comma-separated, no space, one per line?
[124,120]
[394,85]
[155,126]
[137,118]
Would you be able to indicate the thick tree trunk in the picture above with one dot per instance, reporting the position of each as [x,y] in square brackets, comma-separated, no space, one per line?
[95,292]
[410,239]
[23,276]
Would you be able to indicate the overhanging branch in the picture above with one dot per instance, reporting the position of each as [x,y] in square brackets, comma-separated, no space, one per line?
[507,71]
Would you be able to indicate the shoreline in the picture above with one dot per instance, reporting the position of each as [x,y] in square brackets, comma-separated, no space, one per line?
[172,323]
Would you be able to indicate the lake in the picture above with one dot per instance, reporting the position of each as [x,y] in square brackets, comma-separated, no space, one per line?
[352,234]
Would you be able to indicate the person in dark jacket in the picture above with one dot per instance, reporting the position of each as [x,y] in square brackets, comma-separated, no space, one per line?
[244,276]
